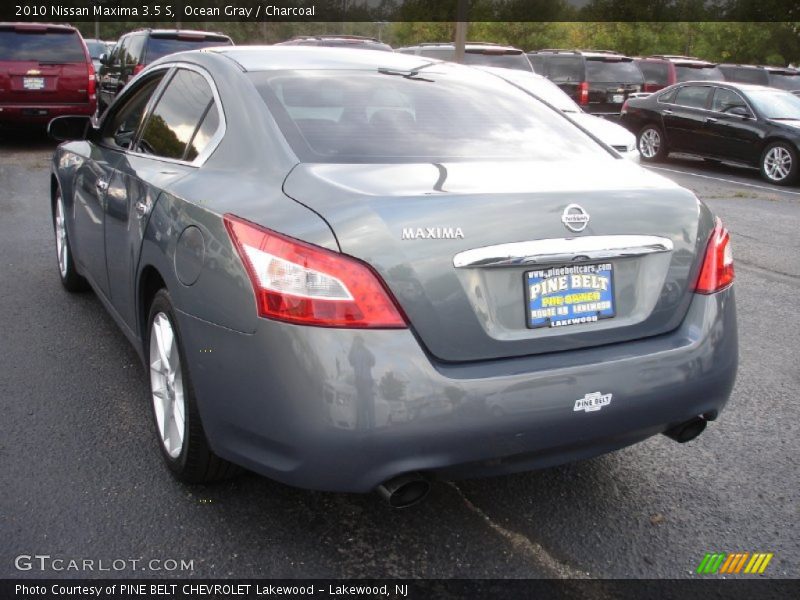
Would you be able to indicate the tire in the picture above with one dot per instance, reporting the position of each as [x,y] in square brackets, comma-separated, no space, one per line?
[67,272]
[182,441]
[651,143]
[779,164]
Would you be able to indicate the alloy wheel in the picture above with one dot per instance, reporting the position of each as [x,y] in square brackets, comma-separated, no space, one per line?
[166,383]
[649,143]
[62,248]
[777,163]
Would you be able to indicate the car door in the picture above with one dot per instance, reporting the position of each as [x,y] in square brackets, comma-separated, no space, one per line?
[684,119]
[179,127]
[733,130]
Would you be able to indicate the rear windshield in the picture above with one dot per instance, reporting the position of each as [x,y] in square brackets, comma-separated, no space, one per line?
[612,71]
[687,73]
[159,46]
[440,113]
[45,46]
[744,75]
[507,61]
[564,68]
[785,81]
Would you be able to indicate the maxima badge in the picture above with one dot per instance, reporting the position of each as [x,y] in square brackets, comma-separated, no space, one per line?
[575,218]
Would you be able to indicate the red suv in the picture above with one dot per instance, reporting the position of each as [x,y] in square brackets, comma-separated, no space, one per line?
[665,69]
[45,72]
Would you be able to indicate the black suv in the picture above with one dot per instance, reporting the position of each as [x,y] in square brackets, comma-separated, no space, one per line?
[599,80]
[783,78]
[139,48]
[337,41]
[475,53]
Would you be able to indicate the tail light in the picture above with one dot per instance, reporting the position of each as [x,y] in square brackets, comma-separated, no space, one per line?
[583,93]
[624,108]
[92,87]
[138,69]
[651,87]
[304,284]
[717,271]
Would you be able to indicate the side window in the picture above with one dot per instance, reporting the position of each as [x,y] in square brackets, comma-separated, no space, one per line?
[179,124]
[725,100]
[135,50]
[119,52]
[121,126]
[692,96]
[537,62]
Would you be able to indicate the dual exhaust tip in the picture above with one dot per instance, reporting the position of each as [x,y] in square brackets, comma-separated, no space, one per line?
[410,488]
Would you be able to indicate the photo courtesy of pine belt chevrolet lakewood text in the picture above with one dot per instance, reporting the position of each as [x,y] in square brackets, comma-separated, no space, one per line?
[351,270]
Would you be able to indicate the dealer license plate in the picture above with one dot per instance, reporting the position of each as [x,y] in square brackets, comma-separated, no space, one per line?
[618,98]
[569,295]
[33,83]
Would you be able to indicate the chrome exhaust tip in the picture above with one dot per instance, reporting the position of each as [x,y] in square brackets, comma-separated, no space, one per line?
[686,432]
[405,490]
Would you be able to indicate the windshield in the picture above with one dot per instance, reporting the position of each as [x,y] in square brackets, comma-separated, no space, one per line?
[159,47]
[775,104]
[96,48]
[785,81]
[613,71]
[685,73]
[41,46]
[437,114]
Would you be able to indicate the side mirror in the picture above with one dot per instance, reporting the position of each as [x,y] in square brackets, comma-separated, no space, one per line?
[740,111]
[69,128]
[103,58]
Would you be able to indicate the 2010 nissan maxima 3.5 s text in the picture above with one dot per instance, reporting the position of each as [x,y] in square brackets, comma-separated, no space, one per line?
[350,270]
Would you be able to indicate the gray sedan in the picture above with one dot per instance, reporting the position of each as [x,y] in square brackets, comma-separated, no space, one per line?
[351,270]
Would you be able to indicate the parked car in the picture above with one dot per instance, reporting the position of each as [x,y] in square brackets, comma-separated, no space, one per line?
[96,49]
[475,53]
[662,70]
[289,235]
[598,80]
[338,41]
[139,48]
[45,71]
[752,125]
[616,136]
[778,77]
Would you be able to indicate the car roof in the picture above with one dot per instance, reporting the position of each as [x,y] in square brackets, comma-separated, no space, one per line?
[678,59]
[37,26]
[280,57]
[745,87]
[577,52]
[186,32]
[467,46]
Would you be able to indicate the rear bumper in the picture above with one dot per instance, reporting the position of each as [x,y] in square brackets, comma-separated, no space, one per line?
[344,410]
[40,114]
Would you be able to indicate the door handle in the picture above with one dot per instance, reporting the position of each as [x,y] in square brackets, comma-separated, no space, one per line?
[101,185]
[667,111]
[141,208]
[711,120]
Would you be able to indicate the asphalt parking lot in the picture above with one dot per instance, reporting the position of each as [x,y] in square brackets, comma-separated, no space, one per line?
[81,476]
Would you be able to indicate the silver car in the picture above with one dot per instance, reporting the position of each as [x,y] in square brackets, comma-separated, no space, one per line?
[351,270]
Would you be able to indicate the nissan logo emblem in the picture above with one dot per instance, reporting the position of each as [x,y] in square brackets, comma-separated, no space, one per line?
[575,218]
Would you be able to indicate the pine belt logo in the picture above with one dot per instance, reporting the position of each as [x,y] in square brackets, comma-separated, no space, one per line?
[734,563]
[592,401]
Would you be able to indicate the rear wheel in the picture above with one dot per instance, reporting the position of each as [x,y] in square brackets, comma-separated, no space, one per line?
[779,163]
[70,279]
[180,432]
[651,143]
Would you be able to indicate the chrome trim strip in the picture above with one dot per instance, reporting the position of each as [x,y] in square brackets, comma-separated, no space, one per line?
[562,250]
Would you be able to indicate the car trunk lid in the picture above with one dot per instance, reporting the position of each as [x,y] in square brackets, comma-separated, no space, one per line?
[414,223]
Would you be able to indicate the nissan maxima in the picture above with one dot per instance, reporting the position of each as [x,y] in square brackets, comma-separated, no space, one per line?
[351,270]
[749,125]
